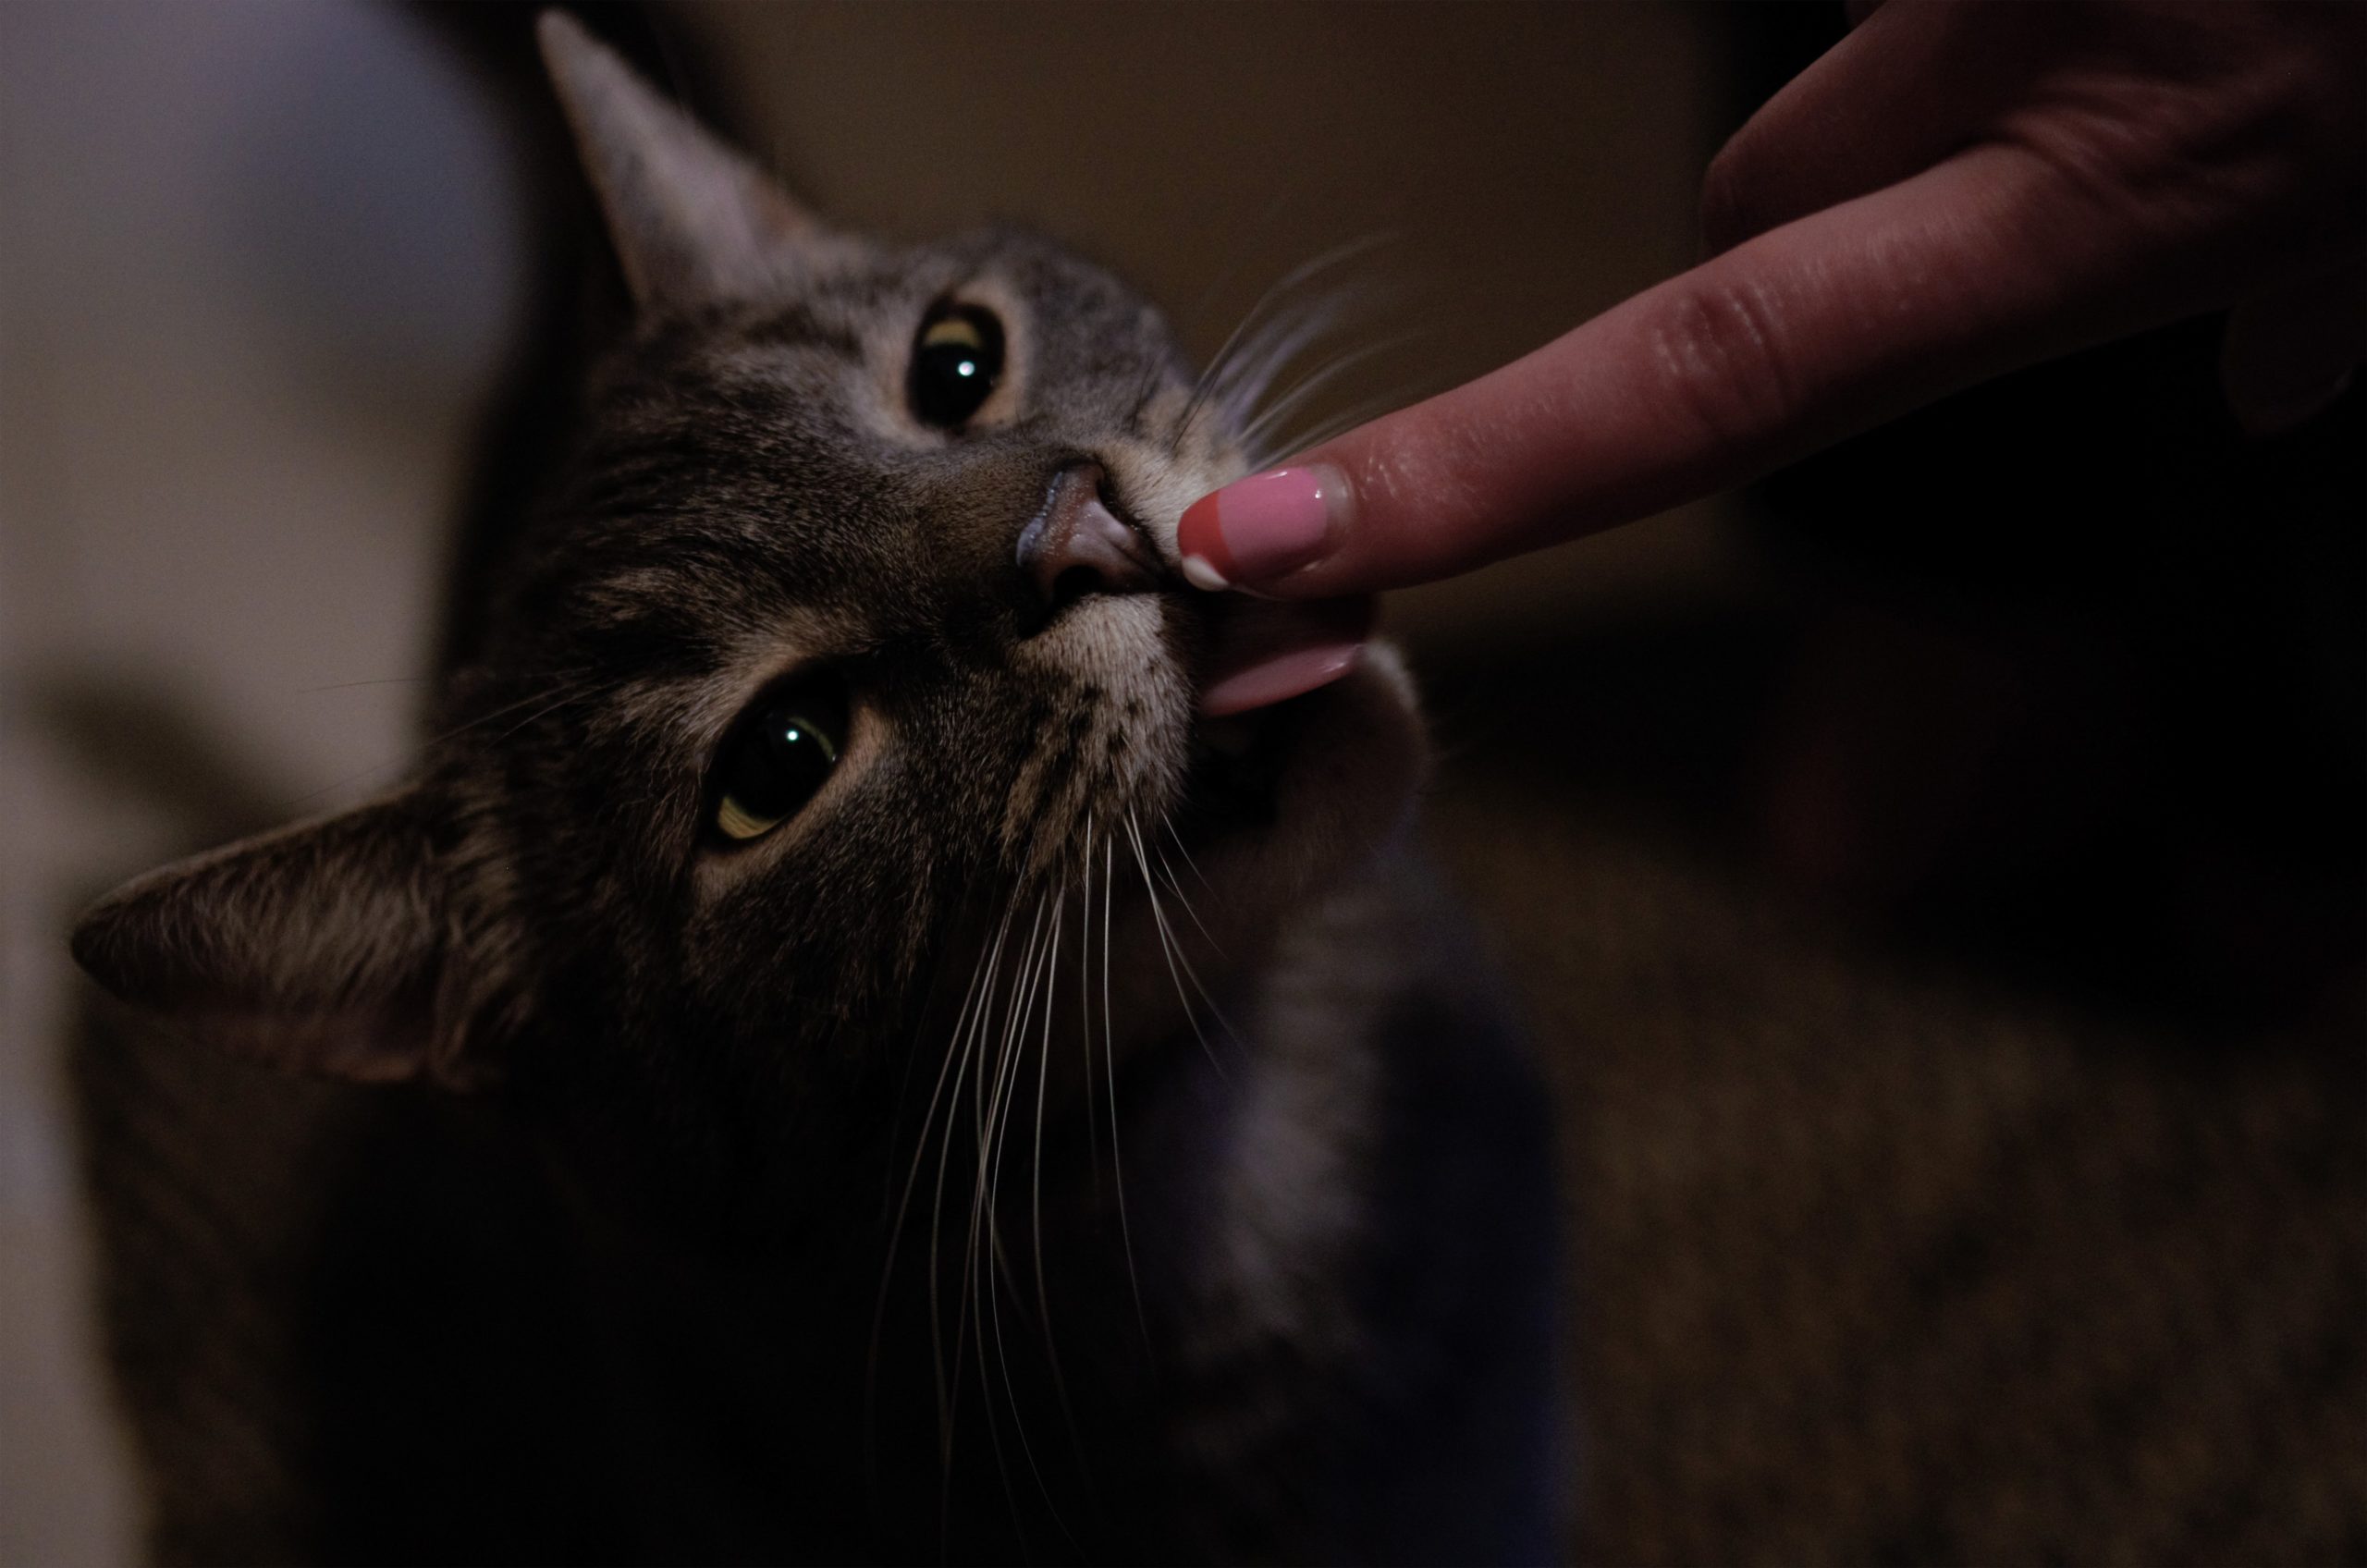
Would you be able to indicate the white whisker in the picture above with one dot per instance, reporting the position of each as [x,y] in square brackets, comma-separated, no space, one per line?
[981,1310]
[903,1204]
[1167,945]
[1182,849]
[1254,434]
[948,1390]
[1110,1076]
[1272,351]
[1226,372]
[1175,885]
[1084,1012]
[1035,1184]
[990,1106]
[996,1263]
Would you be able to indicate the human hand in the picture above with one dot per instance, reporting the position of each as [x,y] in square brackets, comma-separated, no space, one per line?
[1952,191]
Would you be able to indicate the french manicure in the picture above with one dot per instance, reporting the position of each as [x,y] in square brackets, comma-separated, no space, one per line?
[1256,529]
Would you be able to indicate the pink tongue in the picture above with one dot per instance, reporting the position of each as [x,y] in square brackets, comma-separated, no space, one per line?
[1266,651]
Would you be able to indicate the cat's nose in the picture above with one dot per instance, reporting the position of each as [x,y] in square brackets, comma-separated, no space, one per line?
[1076,546]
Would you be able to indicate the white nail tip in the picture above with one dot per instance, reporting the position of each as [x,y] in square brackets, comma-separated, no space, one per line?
[1201,575]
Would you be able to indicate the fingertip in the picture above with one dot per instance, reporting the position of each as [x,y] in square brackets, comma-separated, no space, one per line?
[1199,539]
[1201,574]
[1259,528]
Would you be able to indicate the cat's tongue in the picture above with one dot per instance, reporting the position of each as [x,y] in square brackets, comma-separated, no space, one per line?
[1266,651]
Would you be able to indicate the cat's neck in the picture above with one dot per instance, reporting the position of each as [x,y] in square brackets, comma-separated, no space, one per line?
[1205,1215]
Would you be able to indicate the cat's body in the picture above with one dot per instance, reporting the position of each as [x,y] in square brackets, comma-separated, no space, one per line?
[364,1325]
[1060,1130]
[1340,1350]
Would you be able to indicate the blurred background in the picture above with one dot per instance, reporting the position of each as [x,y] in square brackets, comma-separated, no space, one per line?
[1936,878]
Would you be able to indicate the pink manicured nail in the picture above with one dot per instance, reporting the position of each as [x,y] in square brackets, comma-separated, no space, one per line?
[1264,651]
[1259,528]
[1280,677]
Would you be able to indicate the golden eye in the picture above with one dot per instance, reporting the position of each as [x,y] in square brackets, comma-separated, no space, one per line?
[954,332]
[778,761]
[957,360]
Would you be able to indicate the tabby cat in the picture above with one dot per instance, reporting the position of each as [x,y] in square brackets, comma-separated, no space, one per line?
[927,1091]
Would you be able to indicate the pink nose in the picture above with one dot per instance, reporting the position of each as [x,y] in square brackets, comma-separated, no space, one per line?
[1075,546]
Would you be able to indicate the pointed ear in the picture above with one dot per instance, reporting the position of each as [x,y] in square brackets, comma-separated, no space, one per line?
[320,948]
[691,218]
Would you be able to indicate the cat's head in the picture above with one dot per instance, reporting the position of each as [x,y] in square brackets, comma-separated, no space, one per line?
[846,663]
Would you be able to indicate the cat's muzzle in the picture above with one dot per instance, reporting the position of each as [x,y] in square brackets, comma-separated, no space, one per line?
[1076,544]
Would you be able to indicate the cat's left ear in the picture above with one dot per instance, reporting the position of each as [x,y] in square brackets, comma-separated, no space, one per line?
[692,218]
[323,947]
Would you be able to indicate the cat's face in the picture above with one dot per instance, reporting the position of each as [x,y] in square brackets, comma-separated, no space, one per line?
[762,523]
[846,665]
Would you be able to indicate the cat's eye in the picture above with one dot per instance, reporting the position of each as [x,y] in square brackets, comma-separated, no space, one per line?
[776,759]
[957,358]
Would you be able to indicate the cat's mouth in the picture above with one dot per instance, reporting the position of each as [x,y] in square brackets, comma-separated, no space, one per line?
[1262,676]
[1202,835]
[1270,800]
[1296,786]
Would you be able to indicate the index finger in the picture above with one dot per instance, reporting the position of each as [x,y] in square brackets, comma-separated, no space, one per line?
[1805,335]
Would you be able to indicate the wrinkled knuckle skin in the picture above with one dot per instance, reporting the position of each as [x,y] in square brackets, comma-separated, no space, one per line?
[1718,348]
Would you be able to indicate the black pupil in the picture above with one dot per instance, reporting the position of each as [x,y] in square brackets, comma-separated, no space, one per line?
[955,370]
[780,762]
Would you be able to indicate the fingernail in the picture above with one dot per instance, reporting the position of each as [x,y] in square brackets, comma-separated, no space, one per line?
[1280,677]
[1259,528]
[1263,651]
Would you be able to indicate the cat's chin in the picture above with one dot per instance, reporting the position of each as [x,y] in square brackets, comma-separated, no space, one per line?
[1278,808]
[1270,812]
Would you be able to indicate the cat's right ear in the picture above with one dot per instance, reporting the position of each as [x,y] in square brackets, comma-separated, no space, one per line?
[323,947]
[692,218]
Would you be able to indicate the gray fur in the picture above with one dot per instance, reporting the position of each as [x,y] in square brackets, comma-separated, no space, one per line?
[850,1272]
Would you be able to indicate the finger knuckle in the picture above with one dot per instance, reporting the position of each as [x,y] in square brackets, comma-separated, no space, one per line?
[1720,348]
